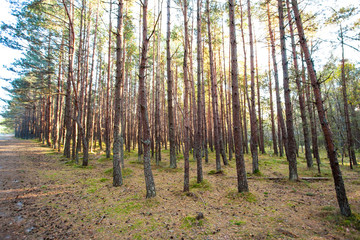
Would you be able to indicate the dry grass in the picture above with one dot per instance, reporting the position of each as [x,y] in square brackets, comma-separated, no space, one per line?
[271,210]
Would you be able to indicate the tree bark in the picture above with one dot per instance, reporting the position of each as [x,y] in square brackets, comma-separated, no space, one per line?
[170,93]
[291,142]
[186,99]
[117,176]
[149,179]
[242,184]
[199,97]
[281,121]
[252,110]
[68,98]
[336,172]
[213,93]
[273,130]
[350,140]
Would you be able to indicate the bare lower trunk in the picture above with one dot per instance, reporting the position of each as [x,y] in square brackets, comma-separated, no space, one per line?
[117,176]
[149,179]
[239,156]
[170,93]
[199,89]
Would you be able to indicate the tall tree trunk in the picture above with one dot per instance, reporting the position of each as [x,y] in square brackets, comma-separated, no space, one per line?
[330,147]
[89,118]
[149,179]
[246,95]
[199,89]
[291,142]
[253,121]
[117,177]
[186,99]
[157,99]
[273,131]
[261,129]
[68,98]
[309,104]
[56,129]
[304,121]
[350,140]
[213,93]
[170,93]
[277,88]
[239,156]
[48,101]
[108,110]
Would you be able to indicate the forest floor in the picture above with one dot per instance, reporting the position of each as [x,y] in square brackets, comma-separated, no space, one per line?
[45,196]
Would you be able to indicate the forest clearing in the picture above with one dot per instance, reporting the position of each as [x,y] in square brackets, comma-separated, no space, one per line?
[43,195]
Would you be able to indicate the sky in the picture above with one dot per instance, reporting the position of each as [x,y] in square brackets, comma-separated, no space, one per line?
[7,55]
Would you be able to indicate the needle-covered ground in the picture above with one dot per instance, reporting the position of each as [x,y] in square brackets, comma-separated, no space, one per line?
[43,195]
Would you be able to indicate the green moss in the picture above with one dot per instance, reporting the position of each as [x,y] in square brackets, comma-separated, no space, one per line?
[109,171]
[246,196]
[127,172]
[328,208]
[124,208]
[104,179]
[83,167]
[214,172]
[349,222]
[237,223]
[104,159]
[189,222]
[204,185]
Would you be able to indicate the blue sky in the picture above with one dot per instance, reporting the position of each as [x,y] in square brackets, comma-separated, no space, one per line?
[7,55]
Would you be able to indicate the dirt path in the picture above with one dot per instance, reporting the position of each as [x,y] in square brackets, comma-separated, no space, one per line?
[21,215]
[13,188]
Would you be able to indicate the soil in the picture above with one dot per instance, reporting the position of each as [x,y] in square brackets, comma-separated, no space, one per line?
[45,196]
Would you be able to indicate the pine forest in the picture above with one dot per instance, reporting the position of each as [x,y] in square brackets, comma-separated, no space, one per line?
[181,119]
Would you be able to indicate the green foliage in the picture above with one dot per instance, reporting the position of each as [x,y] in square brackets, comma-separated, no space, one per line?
[204,185]
[214,172]
[353,221]
[245,196]
[237,222]
[189,222]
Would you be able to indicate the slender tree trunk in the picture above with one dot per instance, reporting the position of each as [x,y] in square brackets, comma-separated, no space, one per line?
[108,110]
[186,98]
[291,142]
[49,99]
[304,121]
[199,89]
[310,108]
[157,99]
[277,88]
[68,99]
[214,93]
[350,140]
[273,130]
[338,180]
[117,176]
[55,129]
[239,156]
[149,179]
[170,93]
[261,129]
[253,121]
[246,96]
